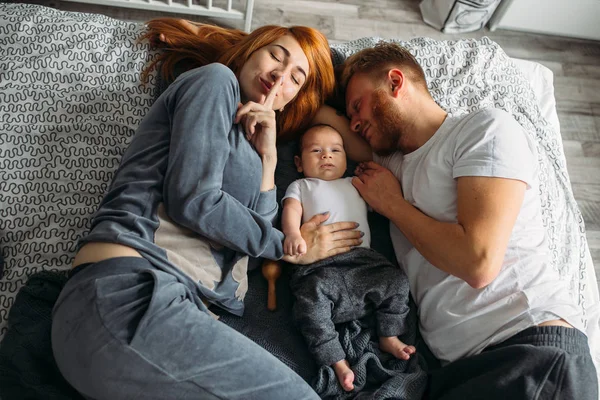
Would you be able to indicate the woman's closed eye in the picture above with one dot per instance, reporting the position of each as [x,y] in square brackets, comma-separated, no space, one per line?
[278,59]
[274,57]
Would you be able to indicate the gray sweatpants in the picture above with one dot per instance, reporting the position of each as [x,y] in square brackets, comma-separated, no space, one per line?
[123,329]
[539,363]
[344,288]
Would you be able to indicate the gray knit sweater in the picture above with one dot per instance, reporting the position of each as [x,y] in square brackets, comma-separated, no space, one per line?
[187,193]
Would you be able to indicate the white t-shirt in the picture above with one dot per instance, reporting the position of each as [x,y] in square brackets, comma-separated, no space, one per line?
[455,319]
[339,197]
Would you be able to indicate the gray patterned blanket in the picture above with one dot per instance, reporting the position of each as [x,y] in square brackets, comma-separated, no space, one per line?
[71,98]
[377,375]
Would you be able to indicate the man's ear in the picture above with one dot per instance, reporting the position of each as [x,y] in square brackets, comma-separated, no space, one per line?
[298,162]
[395,80]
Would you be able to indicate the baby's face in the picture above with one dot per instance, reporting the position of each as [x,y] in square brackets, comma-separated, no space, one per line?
[323,154]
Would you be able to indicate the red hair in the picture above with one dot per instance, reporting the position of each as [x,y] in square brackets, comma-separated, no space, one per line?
[189,49]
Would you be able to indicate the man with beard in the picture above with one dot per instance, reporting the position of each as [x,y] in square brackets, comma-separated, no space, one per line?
[461,193]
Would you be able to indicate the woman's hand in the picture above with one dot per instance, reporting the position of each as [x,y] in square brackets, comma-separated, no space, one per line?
[259,123]
[324,241]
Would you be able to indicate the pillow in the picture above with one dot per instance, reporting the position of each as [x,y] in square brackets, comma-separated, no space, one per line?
[70,101]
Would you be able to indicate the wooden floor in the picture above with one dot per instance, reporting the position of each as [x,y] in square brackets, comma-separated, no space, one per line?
[575,63]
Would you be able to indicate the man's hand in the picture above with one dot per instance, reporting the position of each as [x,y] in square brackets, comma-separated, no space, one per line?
[324,241]
[378,187]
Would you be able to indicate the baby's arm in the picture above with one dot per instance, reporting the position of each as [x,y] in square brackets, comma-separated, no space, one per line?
[291,219]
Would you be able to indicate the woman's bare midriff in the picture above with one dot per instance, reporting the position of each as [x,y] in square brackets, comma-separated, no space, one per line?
[97,251]
[556,322]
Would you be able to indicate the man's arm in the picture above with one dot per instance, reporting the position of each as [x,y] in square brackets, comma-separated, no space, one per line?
[473,248]
[355,146]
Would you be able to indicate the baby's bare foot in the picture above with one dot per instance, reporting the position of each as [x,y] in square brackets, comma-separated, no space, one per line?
[396,347]
[344,374]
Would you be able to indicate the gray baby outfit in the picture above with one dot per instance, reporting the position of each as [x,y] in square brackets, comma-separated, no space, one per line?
[344,288]
[348,286]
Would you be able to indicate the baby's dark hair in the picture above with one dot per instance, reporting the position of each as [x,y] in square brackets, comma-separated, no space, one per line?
[300,143]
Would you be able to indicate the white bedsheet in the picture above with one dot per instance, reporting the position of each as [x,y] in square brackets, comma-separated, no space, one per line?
[542,82]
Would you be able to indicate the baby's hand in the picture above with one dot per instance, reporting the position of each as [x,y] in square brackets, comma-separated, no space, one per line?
[294,245]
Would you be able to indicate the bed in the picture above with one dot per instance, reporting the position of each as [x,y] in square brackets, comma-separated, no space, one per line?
[71,98]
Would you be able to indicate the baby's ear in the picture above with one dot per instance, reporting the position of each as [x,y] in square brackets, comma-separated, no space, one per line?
[298,162]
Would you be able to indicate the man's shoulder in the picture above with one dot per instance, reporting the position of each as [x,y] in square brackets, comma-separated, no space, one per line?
[486,122]
[494,118]
[487,114]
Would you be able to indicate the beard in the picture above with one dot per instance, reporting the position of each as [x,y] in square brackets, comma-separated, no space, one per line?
[389,125]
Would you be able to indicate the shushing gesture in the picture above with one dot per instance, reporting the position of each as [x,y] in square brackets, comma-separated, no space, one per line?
[259,122]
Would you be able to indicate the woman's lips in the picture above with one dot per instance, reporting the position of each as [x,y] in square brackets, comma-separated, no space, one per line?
[265,85]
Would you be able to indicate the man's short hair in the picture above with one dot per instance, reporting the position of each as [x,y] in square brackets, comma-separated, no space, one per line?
[378,60]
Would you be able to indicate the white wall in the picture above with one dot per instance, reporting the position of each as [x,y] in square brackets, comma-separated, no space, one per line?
[574,18]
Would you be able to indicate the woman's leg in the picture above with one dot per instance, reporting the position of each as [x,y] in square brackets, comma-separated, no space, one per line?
[124,330]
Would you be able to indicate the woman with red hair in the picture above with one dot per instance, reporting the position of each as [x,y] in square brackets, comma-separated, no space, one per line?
[187,45]
[193,199]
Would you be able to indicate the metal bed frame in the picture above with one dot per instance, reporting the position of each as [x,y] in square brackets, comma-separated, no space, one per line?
[184,7]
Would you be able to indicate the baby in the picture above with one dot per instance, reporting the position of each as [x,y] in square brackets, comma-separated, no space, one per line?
[348,286]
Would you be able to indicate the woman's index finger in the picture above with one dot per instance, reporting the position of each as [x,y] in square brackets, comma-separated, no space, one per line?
[270,99]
